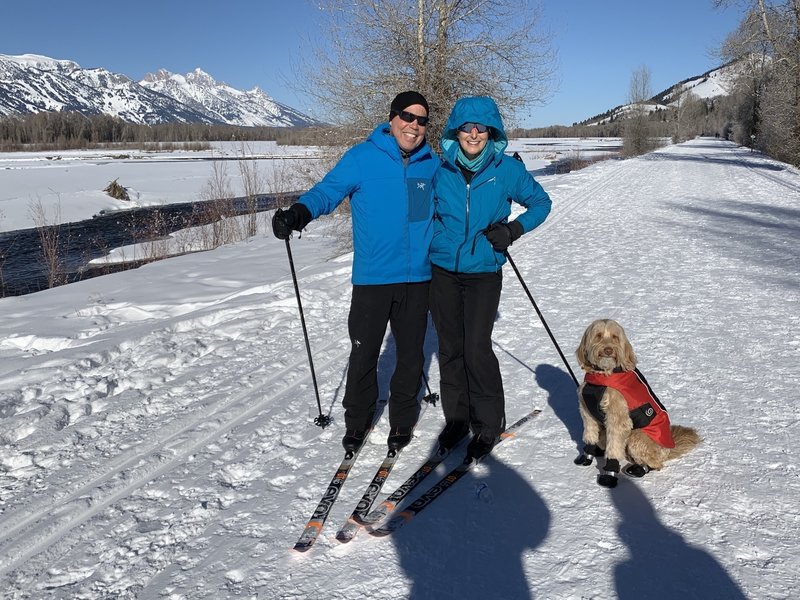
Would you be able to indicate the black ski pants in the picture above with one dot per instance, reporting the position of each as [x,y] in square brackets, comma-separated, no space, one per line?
[405,307]
[464,308]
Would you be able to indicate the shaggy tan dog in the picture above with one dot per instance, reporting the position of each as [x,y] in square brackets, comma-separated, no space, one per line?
[622,417]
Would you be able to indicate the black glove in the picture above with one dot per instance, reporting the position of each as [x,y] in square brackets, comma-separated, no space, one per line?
[296,217]
[502,235]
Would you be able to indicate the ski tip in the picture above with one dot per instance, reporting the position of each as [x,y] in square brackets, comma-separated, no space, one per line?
[348,531]
[380,532]
[378,514]
[393,524]
[302,547]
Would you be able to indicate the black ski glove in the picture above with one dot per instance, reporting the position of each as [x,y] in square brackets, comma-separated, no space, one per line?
[502,235]
[296,217]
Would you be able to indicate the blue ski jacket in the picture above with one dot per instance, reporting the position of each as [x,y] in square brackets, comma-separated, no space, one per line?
[391,201]
[464,210]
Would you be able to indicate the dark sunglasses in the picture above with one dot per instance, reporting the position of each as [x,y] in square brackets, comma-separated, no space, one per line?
[409,117]
[468,127]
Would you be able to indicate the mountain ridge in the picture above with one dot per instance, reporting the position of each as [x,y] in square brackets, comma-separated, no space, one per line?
[714,82]
[32,83]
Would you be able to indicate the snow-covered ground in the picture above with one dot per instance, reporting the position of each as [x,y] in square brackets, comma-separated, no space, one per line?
[156,436]
[68,185]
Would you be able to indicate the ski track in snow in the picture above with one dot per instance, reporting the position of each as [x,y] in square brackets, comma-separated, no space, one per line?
[165,450]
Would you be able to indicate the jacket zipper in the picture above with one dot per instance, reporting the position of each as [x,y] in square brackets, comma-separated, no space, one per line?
[466,226]
[466,220]
[408,222]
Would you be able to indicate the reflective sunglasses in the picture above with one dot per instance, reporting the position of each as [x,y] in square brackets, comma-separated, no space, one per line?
[468,127]
[409,117]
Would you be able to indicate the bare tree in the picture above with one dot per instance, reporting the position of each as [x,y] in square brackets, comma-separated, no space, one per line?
[445,49]
[636,137]
[252,186]
[49,229]
[640,87]
[218,208]
[690,114]
[767,43]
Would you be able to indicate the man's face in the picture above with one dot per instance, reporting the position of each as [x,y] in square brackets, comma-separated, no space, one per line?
[409,135]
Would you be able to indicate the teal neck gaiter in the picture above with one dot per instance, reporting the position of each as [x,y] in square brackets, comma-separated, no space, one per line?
[476,163]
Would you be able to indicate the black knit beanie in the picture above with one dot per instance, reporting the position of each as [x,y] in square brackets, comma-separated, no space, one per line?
[405,99]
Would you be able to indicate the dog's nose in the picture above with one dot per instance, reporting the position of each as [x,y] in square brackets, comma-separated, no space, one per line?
[608,351]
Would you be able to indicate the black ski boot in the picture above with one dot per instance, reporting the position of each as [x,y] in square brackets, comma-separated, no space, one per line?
[399,437]
[353,440]
[480,446]
[451,435]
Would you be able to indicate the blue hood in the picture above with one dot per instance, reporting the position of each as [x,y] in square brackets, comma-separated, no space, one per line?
[473,109]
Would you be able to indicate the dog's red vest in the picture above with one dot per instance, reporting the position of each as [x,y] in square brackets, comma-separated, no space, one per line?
[637,393]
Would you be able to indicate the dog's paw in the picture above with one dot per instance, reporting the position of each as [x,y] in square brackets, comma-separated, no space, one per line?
[594,450]
[584,460]
[634,470]
[607,479]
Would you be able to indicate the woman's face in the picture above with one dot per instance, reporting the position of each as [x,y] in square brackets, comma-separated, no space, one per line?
[472,142]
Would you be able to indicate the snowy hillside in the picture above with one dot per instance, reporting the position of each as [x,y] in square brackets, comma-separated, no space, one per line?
[156,436]
[717,82]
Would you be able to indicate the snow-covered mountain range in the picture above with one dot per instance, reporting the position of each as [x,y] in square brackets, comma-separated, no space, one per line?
[30,83]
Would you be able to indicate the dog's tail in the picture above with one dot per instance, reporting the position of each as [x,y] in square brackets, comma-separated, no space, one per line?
[685,439]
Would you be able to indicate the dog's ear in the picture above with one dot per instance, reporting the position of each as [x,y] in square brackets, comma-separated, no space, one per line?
[628,358]
[582,352]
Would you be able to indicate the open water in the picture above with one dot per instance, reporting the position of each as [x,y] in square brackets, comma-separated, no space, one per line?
[23,269]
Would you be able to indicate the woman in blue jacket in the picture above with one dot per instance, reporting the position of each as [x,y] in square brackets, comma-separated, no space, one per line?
[473,191]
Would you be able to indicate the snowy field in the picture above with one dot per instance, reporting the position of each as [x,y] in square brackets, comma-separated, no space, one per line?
[156,436]
[69,184]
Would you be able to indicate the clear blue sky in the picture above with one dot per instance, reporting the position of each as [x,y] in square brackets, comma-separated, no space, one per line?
[249,43]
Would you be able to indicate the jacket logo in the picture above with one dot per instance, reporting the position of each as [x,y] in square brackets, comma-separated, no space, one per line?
[421,185]
[649,411]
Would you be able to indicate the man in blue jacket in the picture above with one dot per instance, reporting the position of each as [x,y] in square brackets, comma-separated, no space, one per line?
[389,180]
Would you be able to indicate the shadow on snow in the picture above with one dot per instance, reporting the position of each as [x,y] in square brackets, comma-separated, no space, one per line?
[466,547]
[662,565]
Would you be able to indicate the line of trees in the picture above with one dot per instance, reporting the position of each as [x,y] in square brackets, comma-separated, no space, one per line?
[767,94]
[64,130]
[695,116]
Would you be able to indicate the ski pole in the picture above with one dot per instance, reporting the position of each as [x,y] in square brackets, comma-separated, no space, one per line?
[432,397]
[321,420]
[541,317]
